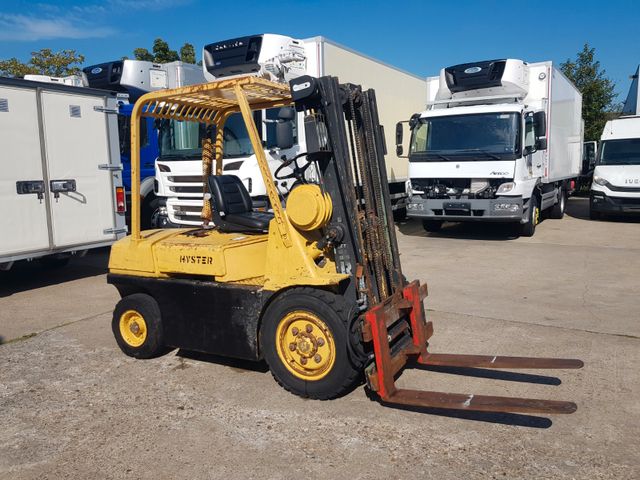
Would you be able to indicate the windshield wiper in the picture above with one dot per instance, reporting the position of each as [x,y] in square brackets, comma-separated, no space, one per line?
[484,152]
[439,155]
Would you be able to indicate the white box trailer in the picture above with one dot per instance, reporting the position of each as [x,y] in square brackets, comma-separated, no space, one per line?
[60,181]
[281,58]
[500,141]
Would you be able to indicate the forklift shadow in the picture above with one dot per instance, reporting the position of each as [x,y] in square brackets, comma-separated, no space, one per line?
[241,366]
[463,231]
[25,276]
[512,419]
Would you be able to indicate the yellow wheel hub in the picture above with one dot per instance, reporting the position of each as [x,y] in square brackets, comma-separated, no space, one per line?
[536,214]
[133,328]
[305,345]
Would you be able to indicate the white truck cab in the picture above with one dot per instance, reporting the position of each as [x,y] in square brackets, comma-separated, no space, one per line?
[501,140]
[616,178]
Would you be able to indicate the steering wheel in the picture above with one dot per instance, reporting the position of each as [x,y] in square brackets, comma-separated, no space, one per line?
[298,171]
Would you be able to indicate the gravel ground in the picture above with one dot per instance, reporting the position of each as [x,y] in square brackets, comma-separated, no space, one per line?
[73,406]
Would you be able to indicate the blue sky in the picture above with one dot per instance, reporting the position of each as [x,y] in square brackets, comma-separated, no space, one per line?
[418,36]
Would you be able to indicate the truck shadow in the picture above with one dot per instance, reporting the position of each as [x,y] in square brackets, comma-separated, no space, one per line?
[466,231]
[578,207]
[25,276]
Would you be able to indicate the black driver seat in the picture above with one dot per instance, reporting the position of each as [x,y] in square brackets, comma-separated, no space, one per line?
[232,206]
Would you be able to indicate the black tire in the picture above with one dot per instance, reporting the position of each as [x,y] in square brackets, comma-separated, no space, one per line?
[345,371]
[400,214]
[557,211]
[529,228]
[432,225]
[147,308]
[150,213]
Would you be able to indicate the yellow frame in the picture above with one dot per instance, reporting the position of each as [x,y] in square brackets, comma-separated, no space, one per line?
[211,103]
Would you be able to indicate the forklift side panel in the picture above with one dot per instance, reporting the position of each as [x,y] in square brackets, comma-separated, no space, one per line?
[204,316]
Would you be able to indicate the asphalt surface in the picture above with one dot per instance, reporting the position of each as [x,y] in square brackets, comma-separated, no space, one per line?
[73,406]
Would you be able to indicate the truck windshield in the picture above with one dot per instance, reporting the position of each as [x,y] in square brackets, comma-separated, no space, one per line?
[620,152]
[183,140]
[484,136]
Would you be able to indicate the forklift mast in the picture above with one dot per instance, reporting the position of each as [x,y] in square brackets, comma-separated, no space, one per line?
[345,138]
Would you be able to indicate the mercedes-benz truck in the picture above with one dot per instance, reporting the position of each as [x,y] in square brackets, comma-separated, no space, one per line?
[616,179]
[501,141]
[279,58]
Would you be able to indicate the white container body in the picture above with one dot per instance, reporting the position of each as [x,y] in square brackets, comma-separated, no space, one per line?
[57,133]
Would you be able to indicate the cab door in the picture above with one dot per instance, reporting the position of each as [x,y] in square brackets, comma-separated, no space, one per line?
[81,193]
[22,182]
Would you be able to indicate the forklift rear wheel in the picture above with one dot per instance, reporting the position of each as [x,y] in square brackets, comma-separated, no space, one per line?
[304,339]
[137,326]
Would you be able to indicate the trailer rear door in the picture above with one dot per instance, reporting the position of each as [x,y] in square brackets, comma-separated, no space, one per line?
[81,194]
[24,210]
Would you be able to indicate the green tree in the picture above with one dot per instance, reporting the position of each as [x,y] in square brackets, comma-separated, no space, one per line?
[162,53]
[597,90]
[188,53]
[44,62]
[142,54]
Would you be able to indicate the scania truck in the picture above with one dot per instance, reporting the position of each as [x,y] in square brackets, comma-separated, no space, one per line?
[616,179]
[501,140]
[279,58]
[133,78]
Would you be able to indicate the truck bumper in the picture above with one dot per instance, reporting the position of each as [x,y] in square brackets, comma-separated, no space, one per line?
[601,202]
[502,209]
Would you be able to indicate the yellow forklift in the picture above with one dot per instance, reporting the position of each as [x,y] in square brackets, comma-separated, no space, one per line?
[314,286]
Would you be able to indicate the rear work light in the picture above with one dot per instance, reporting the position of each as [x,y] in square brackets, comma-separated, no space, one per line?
[121,203]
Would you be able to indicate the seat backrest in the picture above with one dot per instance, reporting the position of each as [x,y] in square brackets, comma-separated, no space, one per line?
[229,195]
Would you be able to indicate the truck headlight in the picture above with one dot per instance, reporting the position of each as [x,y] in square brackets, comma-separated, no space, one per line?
[506,187]
[600,181]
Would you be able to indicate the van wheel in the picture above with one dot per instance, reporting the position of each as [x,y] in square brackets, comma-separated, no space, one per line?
[432,225]
[137,326]
[529,228]
[304,338]
[557,211]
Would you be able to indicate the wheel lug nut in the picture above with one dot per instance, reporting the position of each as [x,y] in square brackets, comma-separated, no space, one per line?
[320,341]
[317,358]
[309,328]
[292,347]
[303,361]
[295,330]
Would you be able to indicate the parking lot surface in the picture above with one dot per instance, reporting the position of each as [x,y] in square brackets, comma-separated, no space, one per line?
[73,406]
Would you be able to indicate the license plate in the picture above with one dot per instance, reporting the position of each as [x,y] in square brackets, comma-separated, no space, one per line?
[457,206]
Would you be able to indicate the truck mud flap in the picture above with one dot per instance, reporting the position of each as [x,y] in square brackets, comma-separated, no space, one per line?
[399,333]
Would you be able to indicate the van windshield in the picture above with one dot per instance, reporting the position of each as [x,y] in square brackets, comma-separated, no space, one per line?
[620,152]
[484,136]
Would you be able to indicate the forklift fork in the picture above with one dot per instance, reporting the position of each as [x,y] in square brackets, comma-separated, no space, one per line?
[387,327]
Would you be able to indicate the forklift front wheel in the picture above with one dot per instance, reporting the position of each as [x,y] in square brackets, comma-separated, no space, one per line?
[137,326]
[304,337]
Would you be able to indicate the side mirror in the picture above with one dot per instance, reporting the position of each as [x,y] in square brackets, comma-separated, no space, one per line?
[529,150]
[540,124]
[399,135]
[541,143]
[284,134]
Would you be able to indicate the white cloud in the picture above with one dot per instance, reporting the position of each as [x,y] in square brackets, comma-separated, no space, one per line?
[16,27]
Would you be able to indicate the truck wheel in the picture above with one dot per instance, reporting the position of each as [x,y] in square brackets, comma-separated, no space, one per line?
[305,341]
[557,211]
[432,225]
[137,326]
[151,213]
[529,228]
